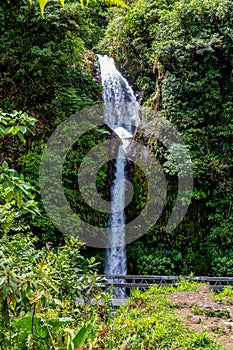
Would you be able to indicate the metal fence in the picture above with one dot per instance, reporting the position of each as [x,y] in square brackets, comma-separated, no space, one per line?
[130,282]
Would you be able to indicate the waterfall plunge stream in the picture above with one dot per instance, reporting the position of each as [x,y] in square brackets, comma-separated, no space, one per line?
[121,115]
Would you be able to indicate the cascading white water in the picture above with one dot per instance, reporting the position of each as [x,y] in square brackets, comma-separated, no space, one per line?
[115,262]
[120,104]
[121,115]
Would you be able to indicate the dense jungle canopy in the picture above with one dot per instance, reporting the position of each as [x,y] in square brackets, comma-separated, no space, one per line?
[178,57]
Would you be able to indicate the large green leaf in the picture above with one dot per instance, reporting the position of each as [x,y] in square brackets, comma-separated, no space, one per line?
[82,335]
[25,324]
[5,165]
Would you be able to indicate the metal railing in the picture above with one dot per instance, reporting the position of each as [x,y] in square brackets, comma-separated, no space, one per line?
[142,282]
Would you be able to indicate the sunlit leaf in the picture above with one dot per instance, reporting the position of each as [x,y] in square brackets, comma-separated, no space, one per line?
[2,130]
[20,136]
[15,130]
[5,165]
[22,129]
[42,4]
[120,3]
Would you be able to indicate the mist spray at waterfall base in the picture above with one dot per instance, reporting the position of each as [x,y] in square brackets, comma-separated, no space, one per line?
[121,115]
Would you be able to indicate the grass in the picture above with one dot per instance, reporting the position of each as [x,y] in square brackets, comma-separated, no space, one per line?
[149,321]
[210,312]
[225,296]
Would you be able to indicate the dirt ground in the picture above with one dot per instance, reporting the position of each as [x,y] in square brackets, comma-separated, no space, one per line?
[200,311]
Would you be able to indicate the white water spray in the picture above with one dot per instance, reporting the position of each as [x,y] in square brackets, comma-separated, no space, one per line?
[115,263]
[121,115]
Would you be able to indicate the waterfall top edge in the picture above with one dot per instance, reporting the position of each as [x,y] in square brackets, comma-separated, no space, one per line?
[121,108]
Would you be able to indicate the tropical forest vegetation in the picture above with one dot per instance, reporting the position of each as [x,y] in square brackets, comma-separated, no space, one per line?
[178,57]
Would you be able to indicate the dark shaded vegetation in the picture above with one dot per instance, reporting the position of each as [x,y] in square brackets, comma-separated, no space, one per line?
[185,50]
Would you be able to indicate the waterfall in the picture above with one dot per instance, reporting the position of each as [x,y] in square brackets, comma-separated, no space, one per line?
[121,115]
[115,262]
[120,104]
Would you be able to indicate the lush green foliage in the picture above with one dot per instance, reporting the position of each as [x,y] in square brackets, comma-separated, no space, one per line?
[45,70]
[39,308]
[224,296]
[16,123]
[39,291]
[180,56]
[42,68]
[186,48]
[17,197]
